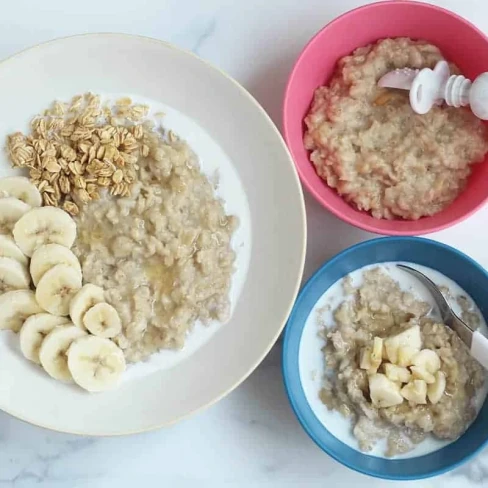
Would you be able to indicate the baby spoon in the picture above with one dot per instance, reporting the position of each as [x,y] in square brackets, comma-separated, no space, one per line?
[476,342]
[431,87]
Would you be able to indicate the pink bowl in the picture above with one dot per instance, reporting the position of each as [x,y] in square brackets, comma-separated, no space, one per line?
[460,42]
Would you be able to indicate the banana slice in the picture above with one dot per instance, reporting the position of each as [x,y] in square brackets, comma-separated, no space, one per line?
[20,187]
[102,320]
[48,256]
[397,373]
[15,307]
[44,225]
[53,350]
[86,298]
[95,363]
[365,358]
[415,392]
[8,249]
[13,275]
[436,390]
[422,374]
[384,392]
[427,359]
[32,333]
[409,337]
[406,355]
[56,289]
[376,354]
[11,211]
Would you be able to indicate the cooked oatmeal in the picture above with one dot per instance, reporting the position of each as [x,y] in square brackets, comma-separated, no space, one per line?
[368,144]
[163,254]
[377,311]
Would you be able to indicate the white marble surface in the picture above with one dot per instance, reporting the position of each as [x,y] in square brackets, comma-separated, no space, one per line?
[251,438]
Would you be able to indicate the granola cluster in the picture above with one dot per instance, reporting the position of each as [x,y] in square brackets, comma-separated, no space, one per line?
[77,150]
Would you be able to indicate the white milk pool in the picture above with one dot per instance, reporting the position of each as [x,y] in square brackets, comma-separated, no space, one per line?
[311,359]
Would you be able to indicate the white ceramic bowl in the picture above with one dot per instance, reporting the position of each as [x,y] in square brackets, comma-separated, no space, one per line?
[217,110]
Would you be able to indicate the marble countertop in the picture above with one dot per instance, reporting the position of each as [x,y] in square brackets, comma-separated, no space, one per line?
[251,438]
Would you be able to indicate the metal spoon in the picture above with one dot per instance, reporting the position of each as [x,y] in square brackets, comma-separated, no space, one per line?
[476,342]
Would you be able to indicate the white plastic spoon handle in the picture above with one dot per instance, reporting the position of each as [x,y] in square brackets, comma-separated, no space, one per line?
[478,96]
[430,87]
[479,348]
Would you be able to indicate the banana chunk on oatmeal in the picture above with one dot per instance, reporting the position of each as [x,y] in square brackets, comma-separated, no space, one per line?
[397,373]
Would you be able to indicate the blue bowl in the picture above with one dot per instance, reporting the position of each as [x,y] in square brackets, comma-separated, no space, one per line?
[447,260]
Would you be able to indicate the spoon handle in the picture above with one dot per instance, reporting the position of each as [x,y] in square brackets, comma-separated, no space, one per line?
[479,348]
[429,87]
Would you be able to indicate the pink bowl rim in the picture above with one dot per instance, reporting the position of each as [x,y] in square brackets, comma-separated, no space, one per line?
[310,187]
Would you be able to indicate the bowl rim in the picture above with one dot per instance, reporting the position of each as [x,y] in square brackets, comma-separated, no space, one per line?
[369,225]
[293,387]
[297,280]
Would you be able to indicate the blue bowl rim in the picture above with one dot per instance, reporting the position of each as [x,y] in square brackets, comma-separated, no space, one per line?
[301,416]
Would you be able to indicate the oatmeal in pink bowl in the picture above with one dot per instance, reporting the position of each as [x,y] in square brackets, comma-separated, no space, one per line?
[428,180]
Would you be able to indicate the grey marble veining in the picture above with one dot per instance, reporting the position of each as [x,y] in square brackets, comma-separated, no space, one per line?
[251,438]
